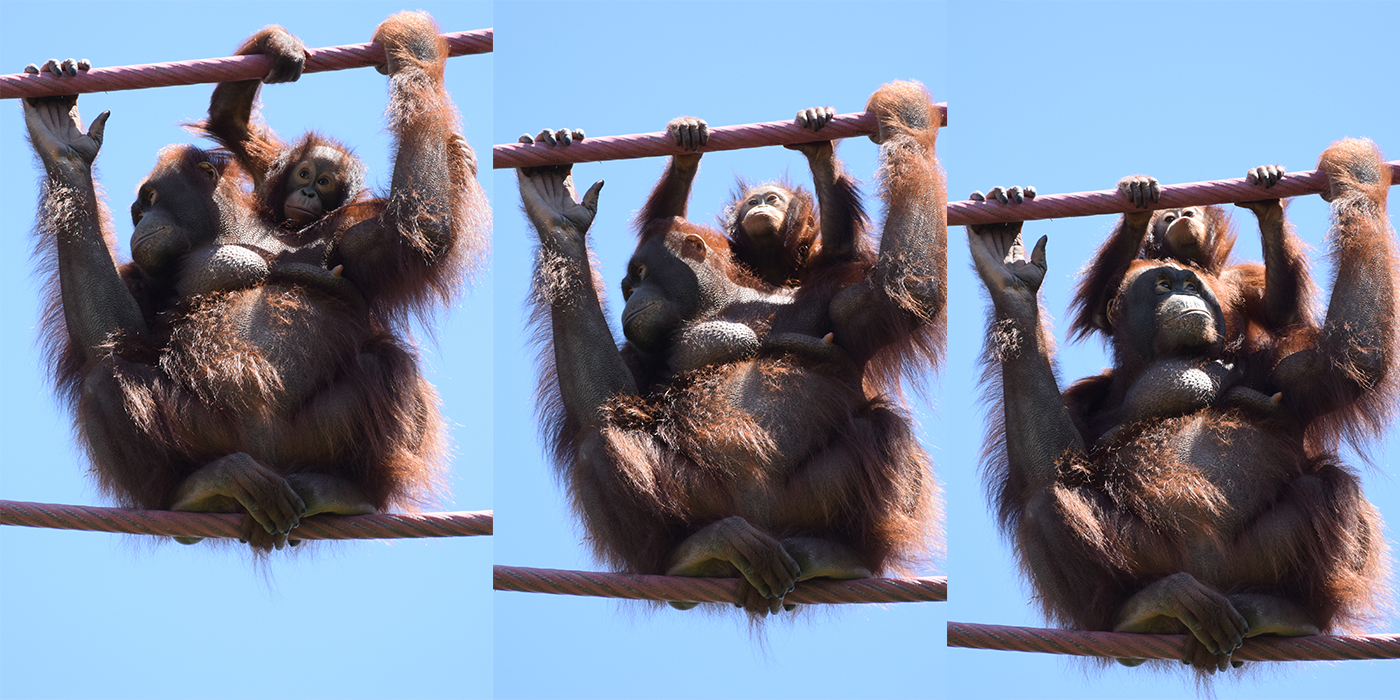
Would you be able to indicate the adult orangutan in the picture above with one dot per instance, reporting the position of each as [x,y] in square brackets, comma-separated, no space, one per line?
[701,447]
[1147,499]
[217,371]
[1274,297]
[784,245]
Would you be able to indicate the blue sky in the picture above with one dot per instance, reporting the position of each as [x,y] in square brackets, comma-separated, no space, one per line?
[97,615]
[1064,96]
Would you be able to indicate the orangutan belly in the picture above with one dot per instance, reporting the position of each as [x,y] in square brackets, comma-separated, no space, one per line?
[265,348]
[1209,470]
[750,408]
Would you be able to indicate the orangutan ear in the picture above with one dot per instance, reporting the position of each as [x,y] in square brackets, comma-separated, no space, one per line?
[693,248]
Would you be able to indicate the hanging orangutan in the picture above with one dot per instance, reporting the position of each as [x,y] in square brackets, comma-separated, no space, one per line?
[1163,495]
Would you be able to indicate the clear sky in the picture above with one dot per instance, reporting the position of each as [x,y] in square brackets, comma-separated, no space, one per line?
[90,615]
[1064,96]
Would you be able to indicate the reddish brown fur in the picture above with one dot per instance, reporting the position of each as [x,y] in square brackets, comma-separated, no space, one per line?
[1216,247]
[663,487]
[727,262]
[1127,512]
[1356,415]
[270,194]
[418,272]
[153,410]
[675,458]
[259,146]
[1104,276]
[1225,289]
[550,284]
[922,338]
[801,235]
[801,257]
[1101,279]
[58,208]
[424,250]
[662,479]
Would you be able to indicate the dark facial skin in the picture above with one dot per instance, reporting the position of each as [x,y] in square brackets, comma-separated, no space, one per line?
[313,188]
[280,396]
[708,473]
[231,123]
[649,315]
[1170,311]
[171,216]
[662,291]
[1272,299]
[781,251]
[1143,499]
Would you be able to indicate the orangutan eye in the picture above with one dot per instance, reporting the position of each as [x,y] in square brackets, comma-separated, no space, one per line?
[1169,218]
[1163,285]
[641,272]
[753,202]
[1190,286]
[304,174]
[772,198]
[323,181]
[1188,213]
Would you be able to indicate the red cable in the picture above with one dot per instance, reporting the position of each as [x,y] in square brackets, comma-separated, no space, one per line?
[1191,194]
[1168,646]
[217,70]
[721,138]
[320,527]
[713,590]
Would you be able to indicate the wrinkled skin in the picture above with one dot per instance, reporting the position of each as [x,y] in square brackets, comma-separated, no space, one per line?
[760,493]
[227,368]
[1146,499]
[1274,300]
[295,185]
[762,212]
